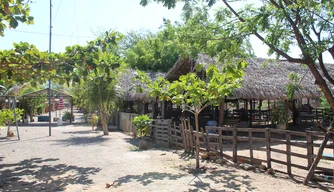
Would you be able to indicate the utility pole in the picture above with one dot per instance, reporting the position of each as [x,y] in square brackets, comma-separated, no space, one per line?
[49,90]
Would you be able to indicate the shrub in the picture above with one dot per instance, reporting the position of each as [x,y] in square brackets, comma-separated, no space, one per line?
[142,123]
[7,115]
[279,114]
[67,116]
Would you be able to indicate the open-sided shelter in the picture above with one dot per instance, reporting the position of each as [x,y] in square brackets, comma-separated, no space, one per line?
[264,79]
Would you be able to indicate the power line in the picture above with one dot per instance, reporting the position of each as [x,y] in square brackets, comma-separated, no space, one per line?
[41,33]
[54,17]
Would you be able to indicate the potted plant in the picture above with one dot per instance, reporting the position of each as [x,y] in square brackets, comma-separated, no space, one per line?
[142,123]
[68,116]
[94,119]
[280,116]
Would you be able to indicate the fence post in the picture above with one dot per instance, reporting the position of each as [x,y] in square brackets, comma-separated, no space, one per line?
[267,133]
[235,148]
[310,152]
[288,150]
[169,132]
[191,137]
[183,134]
[220,142]
[175,134]
[250,135]
[205,140]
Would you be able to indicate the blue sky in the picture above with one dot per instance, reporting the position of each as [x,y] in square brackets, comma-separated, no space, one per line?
[78,21]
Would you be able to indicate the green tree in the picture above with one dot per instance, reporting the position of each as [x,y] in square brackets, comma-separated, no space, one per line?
[150,52]
[12,12]
[25,63]
[193,94]
[95,66]
[160,51]
[282,24]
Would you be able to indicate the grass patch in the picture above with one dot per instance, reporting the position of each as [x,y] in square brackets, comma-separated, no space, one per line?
[134,149]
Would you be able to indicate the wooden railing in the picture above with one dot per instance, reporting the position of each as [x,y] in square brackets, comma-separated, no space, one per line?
[283,150]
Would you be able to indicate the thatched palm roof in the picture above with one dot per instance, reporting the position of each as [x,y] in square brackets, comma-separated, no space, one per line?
[128,87]
[260,82]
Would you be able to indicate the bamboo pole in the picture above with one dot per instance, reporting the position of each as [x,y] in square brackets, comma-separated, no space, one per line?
[288,150]
[268,150]
[235,147]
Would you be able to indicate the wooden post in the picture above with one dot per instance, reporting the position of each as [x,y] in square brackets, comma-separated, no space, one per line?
[251,113]
[250,135]
[220,142]
[267,133]
[71,110]
[183,134]
[191,137]
[175,135]
[286,109]
[260,105]
[145,108]
[318,157]
[139,107]
[221,114]
[235,147]
[310,151]
[288,150]
[205,140]
[169,132]
[186,135]
[163,109]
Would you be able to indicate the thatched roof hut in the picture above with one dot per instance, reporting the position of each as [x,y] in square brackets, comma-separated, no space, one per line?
[128,87]
[260,82]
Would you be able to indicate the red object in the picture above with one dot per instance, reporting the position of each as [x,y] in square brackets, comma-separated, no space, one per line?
[61,104]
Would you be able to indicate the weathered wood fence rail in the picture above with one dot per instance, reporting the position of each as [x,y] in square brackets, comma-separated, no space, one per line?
[252,145]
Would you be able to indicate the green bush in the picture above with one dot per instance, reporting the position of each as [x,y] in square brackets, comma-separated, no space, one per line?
[95,119]
[7,115]
[279,114]
[142,123]
[67,116]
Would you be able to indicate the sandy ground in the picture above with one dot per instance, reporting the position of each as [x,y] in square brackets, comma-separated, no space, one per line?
[75,158]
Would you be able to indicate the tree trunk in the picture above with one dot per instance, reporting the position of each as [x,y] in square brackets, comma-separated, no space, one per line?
[104,123]
[31,115]
[322,84]
[197,140]
[221,113]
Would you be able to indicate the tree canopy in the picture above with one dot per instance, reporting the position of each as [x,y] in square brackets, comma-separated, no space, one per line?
[151,52]
[12,12]
[188,38]
[281,25]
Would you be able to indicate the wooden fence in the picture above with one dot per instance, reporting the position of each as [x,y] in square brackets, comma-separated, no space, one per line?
[161,131]
[269,141]
[283,150]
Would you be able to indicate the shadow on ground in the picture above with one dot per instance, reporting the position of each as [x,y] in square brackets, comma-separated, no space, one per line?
[230,179]
[83,132]
[8,141]
[92,140]
[146,178]
[209,181]
[325,186]
[36,174]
